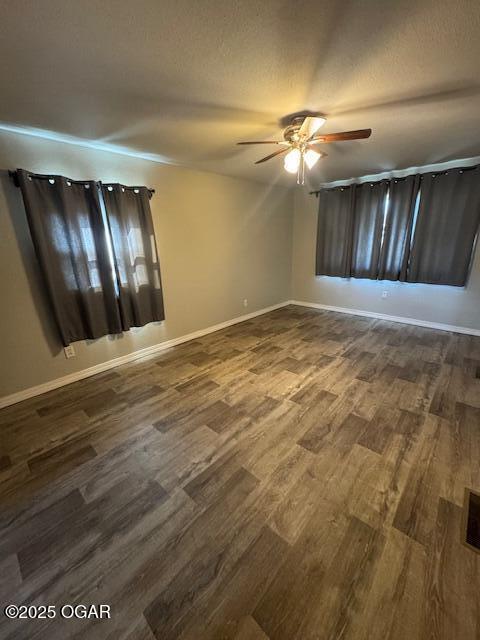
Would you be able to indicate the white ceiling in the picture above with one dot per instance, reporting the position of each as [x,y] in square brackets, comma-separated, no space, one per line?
[186,79]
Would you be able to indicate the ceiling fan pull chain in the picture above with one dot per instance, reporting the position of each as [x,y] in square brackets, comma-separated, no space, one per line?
[301,170]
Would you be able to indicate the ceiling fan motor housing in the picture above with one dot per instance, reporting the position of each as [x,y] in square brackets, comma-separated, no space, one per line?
[293,128]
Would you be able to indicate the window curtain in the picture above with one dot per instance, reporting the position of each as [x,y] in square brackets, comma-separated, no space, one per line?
[446,227]
[395,250]
[334,232]
[135,254]
[370,200]
[69,236]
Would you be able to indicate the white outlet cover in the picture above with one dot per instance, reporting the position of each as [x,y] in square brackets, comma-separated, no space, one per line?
[69,351]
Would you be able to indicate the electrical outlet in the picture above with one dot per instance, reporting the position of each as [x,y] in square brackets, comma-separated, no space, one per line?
[245,303]
[384,294]
[69,351]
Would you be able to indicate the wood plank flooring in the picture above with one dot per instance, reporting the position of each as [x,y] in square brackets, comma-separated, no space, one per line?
[299,475]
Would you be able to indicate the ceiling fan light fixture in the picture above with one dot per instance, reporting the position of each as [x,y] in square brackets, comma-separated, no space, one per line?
[311,158]
[292,161]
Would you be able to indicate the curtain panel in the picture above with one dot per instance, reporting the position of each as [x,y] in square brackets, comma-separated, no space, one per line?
[395,249]
[135,254]
[70,241]
[335,232]
[369,212]
[446,227]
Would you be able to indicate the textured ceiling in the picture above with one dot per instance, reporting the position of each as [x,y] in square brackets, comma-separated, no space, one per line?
[186,79]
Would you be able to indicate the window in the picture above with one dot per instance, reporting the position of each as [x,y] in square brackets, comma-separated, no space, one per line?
[96,248]
[421,228]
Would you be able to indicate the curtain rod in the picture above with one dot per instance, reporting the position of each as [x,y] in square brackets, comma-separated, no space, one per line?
[441,172]
[14,176]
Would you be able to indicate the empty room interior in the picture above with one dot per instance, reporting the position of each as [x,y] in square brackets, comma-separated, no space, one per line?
[240,320]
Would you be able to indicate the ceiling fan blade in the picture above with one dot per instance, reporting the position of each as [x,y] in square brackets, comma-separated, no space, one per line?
[272,155]
[264,142]
[310,126]
[343,135]
[322,153]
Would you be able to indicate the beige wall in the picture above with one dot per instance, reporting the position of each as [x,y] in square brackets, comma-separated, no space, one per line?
[432,303]
[220,240]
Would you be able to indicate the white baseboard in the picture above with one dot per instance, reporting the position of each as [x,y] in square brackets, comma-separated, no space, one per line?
[37,390]
[384,316]
[31,392]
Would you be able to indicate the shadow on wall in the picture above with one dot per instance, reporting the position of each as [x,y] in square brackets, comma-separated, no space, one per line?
[16,211]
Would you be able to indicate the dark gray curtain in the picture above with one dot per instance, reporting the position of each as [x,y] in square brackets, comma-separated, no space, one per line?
[135,254]
[398,228]
[70,241]
[334,232]
[446,227]
[370,199]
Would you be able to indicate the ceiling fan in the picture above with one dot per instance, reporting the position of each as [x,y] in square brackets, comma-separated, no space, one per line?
[300,137]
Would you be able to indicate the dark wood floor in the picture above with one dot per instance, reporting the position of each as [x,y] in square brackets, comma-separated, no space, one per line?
[300,475]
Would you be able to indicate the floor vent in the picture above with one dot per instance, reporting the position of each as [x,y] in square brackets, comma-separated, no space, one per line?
[472,520]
